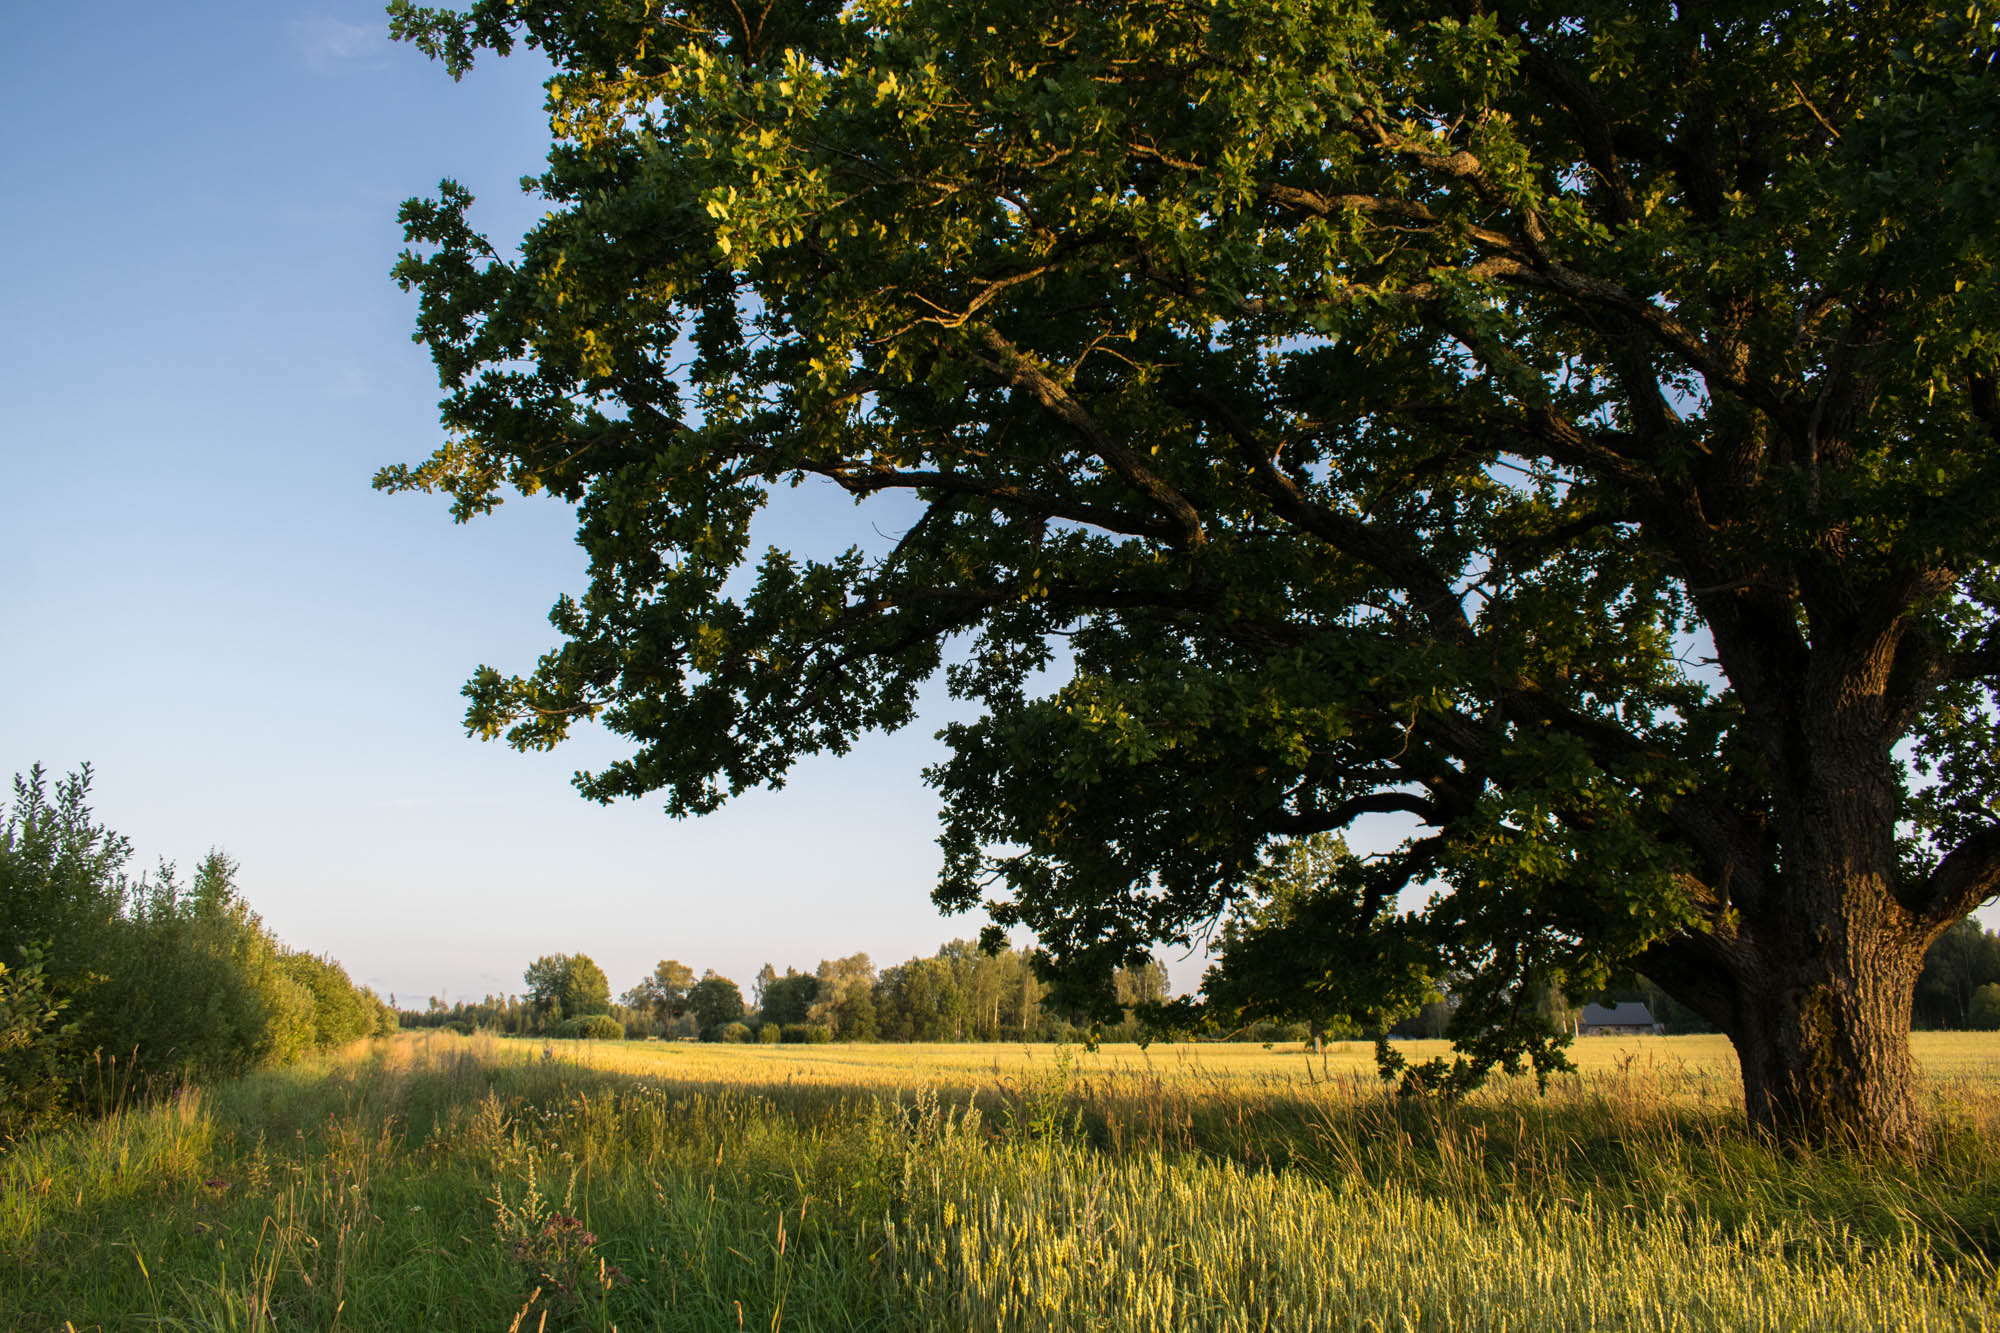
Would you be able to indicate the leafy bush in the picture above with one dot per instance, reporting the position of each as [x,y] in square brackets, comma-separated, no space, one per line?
[194,987]
[341,1013]
[172,982]
[35,1047]
[734,1032]
[811,1034]
[770,1034]
[590,1027]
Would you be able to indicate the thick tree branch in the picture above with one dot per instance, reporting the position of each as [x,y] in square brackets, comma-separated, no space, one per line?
[1021,371]
[1397,560]
[863,479]
[1299,823]
[1967,876]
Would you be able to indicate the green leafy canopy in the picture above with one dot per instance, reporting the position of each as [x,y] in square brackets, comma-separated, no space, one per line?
[1527,421]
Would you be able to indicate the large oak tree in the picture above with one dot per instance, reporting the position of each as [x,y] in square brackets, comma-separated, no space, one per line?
[1567,428]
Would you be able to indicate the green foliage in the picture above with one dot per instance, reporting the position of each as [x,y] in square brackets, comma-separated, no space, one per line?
[769,1034]
[36,1047]
[341,1011]
[194,986]
[664,993]
[789,998]
[1279,954]
[1962,960]
[509,1014]
[736,1033]
[61,875]
[1983,1013]
[590,1027]
[964,993]
[165,981]
[563,985]
[715,1003]
[811,1034]
[555,1252]
[1541,424]
[845,1000]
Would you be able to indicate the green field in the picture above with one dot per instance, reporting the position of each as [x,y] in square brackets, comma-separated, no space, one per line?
[437,1182]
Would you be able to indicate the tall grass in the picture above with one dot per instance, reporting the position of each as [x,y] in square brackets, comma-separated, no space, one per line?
[433,1182]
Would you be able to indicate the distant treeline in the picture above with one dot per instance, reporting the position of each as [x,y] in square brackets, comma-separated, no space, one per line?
[1960,984]
[961,993]
[112,986]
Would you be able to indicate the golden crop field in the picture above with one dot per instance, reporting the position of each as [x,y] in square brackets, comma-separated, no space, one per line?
[1691,1063]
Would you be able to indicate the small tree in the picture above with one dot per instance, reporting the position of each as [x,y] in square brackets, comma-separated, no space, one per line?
[844,984]
[788,999]
[663,994]
[715,1003]
[563,985]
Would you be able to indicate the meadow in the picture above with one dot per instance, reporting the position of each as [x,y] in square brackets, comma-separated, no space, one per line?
[442,1182]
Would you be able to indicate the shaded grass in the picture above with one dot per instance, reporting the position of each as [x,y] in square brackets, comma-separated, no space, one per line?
[429,1183]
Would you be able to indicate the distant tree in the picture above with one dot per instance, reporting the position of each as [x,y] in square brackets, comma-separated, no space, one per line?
[854,1015]
[563,985]
[1962,960]
[788,999]
[840,980]
[762,985]
[1140,984]
[920,1000]
[715,1002]
[1983,1014]
[664,993]
[590,1027]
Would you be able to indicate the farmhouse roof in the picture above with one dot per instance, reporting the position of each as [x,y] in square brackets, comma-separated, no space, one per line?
[1628,1014]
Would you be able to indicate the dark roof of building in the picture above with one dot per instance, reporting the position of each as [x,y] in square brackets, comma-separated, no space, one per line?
[1626,1014]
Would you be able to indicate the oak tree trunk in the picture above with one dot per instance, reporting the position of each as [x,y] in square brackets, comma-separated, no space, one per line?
[1824,1044]
[1821,1019]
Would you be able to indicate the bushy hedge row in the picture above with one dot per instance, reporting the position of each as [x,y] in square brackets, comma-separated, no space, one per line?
[592,1027]
[140,982]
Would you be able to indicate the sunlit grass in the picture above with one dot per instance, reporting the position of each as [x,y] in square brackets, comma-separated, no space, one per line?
[426,1184]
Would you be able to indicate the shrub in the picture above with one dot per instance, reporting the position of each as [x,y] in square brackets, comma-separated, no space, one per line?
[811,1034]
[734,1032]
[193,985]
[35,1047]
[591,1027]
[340,1012]
[172,980]
[770,1034]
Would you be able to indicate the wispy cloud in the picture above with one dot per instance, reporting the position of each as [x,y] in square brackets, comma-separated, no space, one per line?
[330,45]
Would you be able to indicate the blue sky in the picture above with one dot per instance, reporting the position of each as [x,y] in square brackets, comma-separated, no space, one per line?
[203,363]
